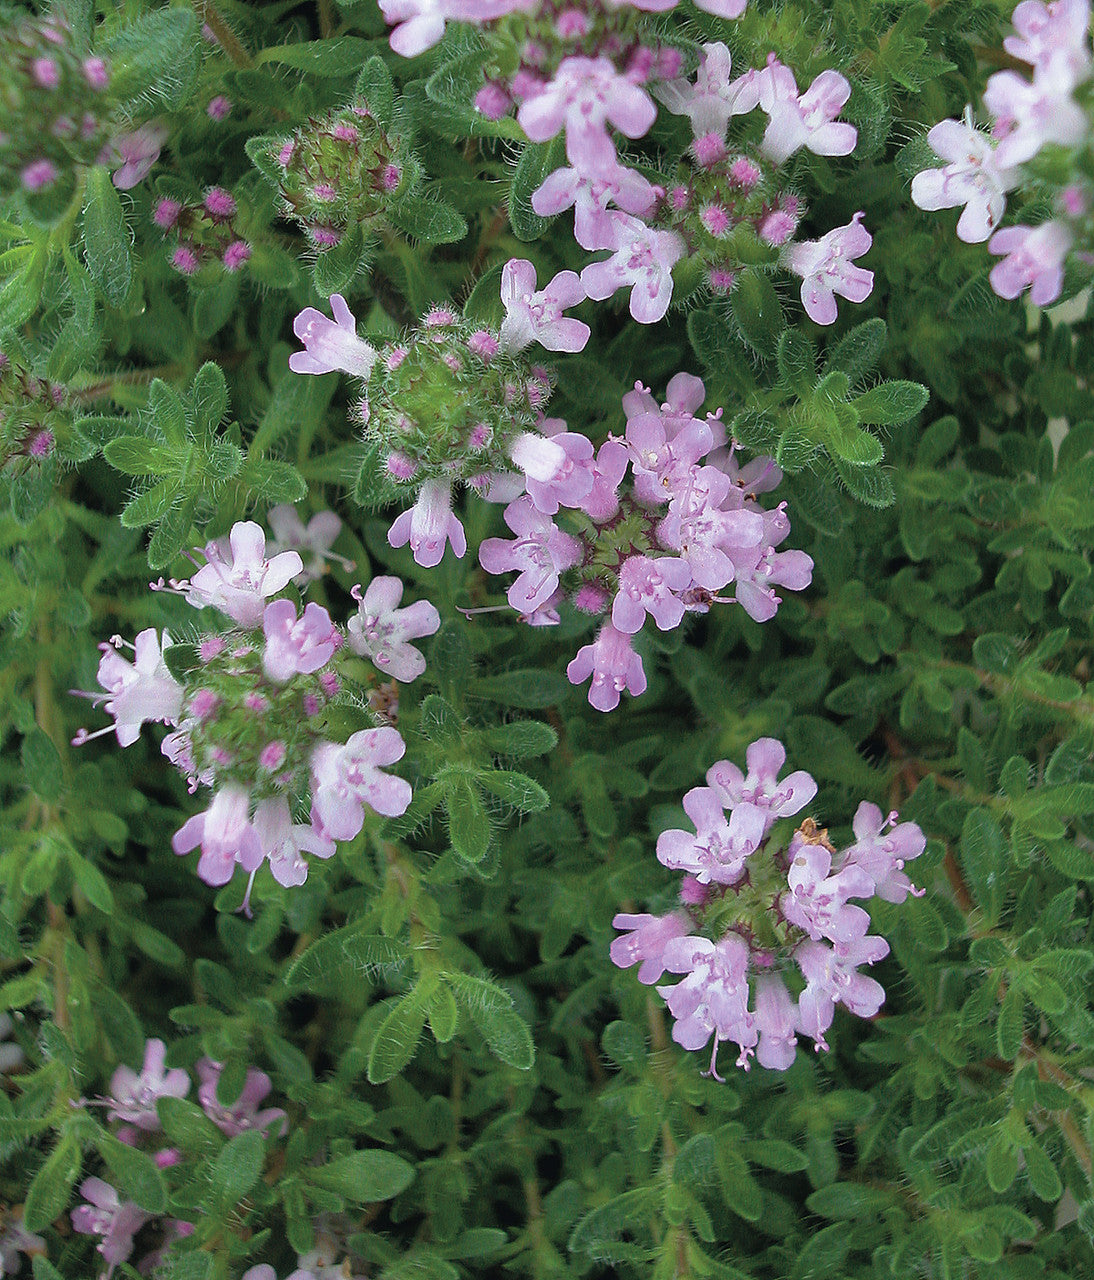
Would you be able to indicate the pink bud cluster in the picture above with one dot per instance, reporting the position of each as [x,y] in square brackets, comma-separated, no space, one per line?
[131,1108]
[660,542]
[340,169]
[452,401]
[55,104]
[202,233]
[32,413]
[766,936]
[1050,108]
[248,707]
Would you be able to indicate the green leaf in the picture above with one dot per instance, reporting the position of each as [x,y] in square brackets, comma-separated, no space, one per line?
[106,238]
[859,350]
[364,1177]
[1001,1163]
[869,485]
[51,1189]
[537,160]
[491,1010]
[427,221]
[343,952]
[327,58]
[1009,1028]
[1043,1178]
[521,739]
[468,825]
[92,883]
[484,302]
[848,1200]
[42,765]
[528,690]
[516,789]
[796,359]
[156,55]
[138,456]
[758,312]
[890,403]
[239,1165]
[187,1126]
[135,1173]
[208,397]
[375,88]
[273,481]
[167,413]
[172,537]
[853,445]
[398,1035]
[984,861]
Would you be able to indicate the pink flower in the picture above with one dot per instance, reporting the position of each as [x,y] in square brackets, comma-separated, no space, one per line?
[710,527]
[807,120]
[138,152]
[38,175]
[236,254]
[419,24]
[608,469]
[133,1096]
[284,842]
[107,1215]
[719,850]
[243,1114]
[729,9]
[219,108]
[138,691]
[775,1017]
[225,834]
[346,778]
[973,178]
[589,195]
[1035,114]
[429,525]
[537,317]
[585,95]
[239,586]
[540,553]
[296,646]
[331,344]
[571,480]
[643,258]
[662,466]
[817,901]
[684,394]
[713,997]
[381,631]
[832,978]
[826,268]
[315,538]
[648,586]
[613,665]
[1048,31]
[761,787]
[712,101]
[881,854]
[1034,260]
[646,941]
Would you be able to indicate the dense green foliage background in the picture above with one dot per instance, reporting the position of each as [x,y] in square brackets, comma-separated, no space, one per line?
[441,990]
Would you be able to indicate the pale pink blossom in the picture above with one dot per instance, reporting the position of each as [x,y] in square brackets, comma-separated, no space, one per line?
[572,480]
[331,344]
[225,834]
[540,553]
[285,842]
[761,787]
[817,901]
[346,778]
[713,100]
[642,258]
[382,632]
[1030,115]
[536,316]
[650,586]
[1046,31]
[117,1221]
[589,194]
[137,152]
[832,978]
[644,942]
[296,646]
[429,526]
[720,847]
[776,1017]
[1034,260]
[137,692]
[315,539]
[585,96]
[243,1114]
[827,268]
[973,178]
[238,579]
[613,665]
[882,846]
[712,999]
[133,1095]
[419,24]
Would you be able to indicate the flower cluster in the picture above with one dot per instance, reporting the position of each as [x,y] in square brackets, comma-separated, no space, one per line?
[1040,140]
[767,936]
[204,232]
[725,206]
[54,105]
[131,1107]
[452,401]
[249,708]
[661,542]
[340,169]
[328,1259]
[32,414]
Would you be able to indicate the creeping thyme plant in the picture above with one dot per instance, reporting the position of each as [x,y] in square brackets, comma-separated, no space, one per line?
[547,616]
